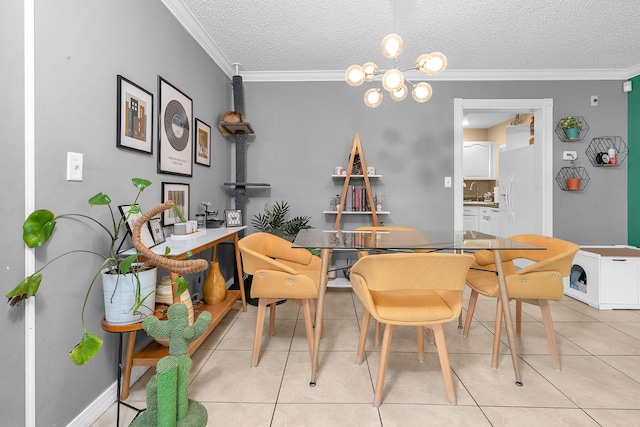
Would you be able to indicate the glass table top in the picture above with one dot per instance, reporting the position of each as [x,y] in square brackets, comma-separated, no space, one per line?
[404,239]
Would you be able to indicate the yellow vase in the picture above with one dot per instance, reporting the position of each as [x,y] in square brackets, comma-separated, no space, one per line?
[215,287]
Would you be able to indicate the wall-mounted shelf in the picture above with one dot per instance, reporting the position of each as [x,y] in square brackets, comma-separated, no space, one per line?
[357,212]
[569,172]
[584,129]
[598,151]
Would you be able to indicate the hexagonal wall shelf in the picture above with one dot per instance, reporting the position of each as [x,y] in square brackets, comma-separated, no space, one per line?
[604,149]
[572,172]
[584,129]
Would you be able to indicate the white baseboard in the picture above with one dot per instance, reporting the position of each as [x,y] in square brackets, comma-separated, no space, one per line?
[103,402]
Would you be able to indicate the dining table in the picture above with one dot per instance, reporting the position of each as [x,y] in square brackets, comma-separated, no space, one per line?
[376,241]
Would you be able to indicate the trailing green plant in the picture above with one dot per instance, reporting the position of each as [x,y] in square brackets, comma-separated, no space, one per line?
[274,220]
[570,122]
[39,228]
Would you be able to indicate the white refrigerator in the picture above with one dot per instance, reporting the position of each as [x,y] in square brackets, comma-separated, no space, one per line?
[520,192]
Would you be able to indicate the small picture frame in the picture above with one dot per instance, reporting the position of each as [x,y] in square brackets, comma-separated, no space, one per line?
[179,193]
[202,139]
[130,218]
[233,218]
[155,227]
[134,117]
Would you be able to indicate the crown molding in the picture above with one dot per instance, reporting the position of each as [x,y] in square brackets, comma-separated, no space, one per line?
[450,75]
[193,27]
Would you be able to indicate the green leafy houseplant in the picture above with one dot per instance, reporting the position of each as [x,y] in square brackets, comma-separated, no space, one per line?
[38,229]
[570,122]
[274,220]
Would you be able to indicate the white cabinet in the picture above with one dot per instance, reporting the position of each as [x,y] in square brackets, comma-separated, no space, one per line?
[605,277]
[489,220]
[479,160]
[470,218]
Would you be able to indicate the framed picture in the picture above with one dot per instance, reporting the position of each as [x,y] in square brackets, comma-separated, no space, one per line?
[232,218]
[135,117]
[131,216]
[175,138]
[203,143]
[179,193]
[155,226]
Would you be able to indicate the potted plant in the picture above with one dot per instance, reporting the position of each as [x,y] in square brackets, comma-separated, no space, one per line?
[274,220]
[571,126]
[39,228]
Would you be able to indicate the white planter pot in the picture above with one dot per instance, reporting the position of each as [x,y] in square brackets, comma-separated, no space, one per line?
[119,296]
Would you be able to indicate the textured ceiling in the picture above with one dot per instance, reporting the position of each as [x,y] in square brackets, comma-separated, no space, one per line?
[561,38]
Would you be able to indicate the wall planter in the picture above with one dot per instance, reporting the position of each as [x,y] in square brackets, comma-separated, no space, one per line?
[574,133]
[573,178]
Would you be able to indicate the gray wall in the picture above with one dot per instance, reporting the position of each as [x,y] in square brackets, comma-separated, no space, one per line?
[303,130]
[12,211]
[80,48]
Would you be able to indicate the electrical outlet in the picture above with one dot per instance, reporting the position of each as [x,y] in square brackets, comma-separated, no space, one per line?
[447,181]
[594,100]
[74,166]
[569,155]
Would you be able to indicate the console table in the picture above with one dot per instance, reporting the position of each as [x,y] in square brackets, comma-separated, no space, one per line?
[181,248]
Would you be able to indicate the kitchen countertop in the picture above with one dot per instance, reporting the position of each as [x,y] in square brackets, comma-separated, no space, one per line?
[482,204]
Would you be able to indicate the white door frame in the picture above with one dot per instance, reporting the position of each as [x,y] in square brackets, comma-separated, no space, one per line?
[543,109]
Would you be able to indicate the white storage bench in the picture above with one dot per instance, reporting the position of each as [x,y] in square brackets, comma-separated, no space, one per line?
[606,277]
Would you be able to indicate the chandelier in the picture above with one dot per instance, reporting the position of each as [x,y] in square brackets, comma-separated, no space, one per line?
[393,80]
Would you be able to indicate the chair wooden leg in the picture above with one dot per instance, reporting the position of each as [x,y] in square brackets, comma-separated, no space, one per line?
[518,318]
[473,299]
[430,335]
[545,310]
[445,366]
[376,340]
[262,309]
[362,342]
[382,369]
[272,318]
[496,335]
[308,325]
[421,344]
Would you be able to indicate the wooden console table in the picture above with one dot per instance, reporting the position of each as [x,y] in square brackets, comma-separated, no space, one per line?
[182,249]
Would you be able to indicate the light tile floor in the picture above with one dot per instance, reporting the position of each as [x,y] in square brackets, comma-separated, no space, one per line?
[599,384]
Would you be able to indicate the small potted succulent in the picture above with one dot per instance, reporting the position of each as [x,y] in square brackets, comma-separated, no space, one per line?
[571,126]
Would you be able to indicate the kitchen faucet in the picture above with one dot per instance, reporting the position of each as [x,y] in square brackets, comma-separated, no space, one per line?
[471,188]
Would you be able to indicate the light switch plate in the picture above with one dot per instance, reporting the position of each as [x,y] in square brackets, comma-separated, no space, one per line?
[74,166]
[447,181]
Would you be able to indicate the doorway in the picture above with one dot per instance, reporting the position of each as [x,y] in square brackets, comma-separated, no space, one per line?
[543,111]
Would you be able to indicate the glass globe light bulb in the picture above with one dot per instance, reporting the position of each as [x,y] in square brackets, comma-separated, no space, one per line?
[370,71]
[393,80]
[422,92]
[354,75]
[391,45]
[373,98]
[399,94]
[433,63]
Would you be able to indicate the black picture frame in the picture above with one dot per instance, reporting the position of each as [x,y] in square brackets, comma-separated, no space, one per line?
[175,138]
[134,119]
[157,232]
[233,218]
[179,193]
[130,220]
[202,138]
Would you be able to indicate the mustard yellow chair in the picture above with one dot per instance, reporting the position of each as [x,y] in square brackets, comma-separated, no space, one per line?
[279,272]
[410,289]
[362,253]
[535,284]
